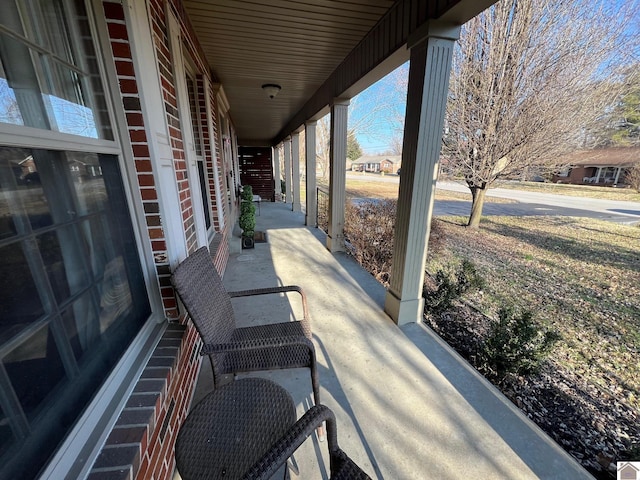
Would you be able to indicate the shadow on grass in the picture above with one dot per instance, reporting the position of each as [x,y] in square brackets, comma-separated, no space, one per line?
[598,253]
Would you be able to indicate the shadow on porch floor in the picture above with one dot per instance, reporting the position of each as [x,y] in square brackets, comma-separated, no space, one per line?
[407,406]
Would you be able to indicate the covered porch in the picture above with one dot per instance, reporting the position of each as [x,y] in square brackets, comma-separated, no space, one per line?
[407,406]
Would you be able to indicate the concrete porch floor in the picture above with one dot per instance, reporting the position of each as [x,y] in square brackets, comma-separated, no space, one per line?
[407,406]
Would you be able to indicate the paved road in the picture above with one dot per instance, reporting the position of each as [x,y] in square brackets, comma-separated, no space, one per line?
[530,203]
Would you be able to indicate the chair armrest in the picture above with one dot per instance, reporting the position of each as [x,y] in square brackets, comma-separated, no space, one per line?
[270,290]
[284,448]
[257,344]
[341,466]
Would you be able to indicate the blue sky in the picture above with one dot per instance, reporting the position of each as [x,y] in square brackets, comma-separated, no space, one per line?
[379,107]
[384,101]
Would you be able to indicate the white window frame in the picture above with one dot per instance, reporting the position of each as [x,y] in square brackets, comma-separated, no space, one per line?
[179,74]
[75,457]
[213,139]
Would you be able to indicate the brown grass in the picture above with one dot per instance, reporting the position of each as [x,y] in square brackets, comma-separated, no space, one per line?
[586,191]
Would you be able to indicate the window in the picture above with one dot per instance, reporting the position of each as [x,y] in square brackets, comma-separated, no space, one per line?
[196,128]
[49,71]
[72,292]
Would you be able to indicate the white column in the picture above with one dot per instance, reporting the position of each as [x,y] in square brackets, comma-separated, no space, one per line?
[276,173]
[426,101]
[618,170]
[287,170]
[310,158]
[598,175]
[337,174]
[295,171]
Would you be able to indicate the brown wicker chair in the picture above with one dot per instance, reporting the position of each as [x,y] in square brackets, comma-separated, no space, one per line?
[232,350]
[341,467]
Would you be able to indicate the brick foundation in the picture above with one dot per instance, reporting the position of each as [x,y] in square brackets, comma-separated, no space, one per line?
[142,441]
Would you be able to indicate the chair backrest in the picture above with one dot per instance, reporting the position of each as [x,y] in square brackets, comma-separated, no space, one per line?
[201,290]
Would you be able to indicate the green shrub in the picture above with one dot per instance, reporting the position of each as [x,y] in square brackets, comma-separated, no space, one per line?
[247,220]
[515,344]
[451,286]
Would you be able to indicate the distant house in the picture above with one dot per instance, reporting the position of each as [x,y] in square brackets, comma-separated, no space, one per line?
[603,166]
[377,163]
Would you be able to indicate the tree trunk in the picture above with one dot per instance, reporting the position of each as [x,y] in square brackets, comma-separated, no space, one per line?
[477,203]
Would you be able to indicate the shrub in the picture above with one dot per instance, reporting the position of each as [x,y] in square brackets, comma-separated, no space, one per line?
[451,286]
[515,344]
[368,229]
[247,220]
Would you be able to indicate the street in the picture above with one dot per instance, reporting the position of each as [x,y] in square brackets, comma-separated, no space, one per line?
[528,203]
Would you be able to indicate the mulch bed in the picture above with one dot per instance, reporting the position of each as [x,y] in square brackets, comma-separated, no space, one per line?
[592,425]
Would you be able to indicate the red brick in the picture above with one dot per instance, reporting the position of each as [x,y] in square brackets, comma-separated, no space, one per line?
[141,151]
[169,302]
[156,233]
[143,166]
[135,120]
[138,135]
[148,194]
[128,86]
[144,468]
[125,68]
[113,11]
[118,31]
[121,50]
[146,180]
[159,245]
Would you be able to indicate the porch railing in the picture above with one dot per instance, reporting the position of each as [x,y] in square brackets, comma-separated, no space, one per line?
[322,213]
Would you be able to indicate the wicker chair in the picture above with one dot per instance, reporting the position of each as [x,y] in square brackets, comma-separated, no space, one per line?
[232,350]
[341,467]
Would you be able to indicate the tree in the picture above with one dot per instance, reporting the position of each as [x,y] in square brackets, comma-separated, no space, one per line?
[354,150]
[632,177]
[526,84]
[323,139]
[627,111]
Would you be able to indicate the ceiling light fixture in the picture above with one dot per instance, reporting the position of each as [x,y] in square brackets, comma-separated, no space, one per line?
[271,89]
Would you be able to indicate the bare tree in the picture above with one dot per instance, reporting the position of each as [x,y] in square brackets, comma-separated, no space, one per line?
[529,78]
[632,177]
[323,138]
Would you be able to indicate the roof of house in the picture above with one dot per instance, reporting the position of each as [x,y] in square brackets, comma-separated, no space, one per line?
[605,157]
[378,158]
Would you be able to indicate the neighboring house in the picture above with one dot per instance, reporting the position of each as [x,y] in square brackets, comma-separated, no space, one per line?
[377,163]
[603,166]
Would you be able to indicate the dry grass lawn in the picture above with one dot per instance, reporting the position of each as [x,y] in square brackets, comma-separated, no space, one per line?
[581,278]
[590,191]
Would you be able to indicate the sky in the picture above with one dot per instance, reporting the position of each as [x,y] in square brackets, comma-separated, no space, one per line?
[378,111]
[379,107]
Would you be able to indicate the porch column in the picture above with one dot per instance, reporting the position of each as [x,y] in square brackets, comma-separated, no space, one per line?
[337,174]
[598,175]
[287,170]
[276,173]
[295,171]
[618,170]
[431,53]
[310,178]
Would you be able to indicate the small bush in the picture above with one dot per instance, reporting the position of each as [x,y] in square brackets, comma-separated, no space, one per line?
[451,286]
[247,220]
[369,229]
[515,344]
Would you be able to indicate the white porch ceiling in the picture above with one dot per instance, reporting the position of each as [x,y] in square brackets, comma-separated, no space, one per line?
[296,44]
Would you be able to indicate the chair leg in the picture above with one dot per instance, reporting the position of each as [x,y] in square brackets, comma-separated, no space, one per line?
[315,385]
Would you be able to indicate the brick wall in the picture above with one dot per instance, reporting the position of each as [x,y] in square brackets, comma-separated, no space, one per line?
[129,89]
[142,442]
